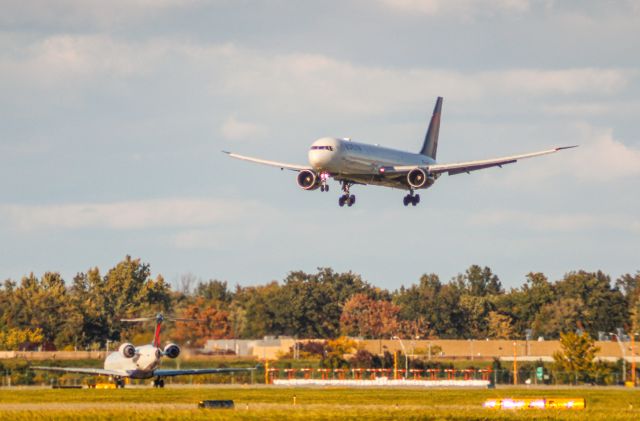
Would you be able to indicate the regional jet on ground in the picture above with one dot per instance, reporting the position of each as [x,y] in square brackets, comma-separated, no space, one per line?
[142,362]
[357,163]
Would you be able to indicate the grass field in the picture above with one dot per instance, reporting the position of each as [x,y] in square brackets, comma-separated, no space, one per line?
[274,403]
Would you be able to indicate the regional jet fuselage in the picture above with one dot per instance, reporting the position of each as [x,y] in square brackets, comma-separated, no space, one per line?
[360,163]
[142,362]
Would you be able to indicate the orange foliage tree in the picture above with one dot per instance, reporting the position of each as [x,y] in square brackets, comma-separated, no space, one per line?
[364,316]
[213,324]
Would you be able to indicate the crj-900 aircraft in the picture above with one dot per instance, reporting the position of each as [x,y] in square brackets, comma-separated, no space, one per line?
[357,163]
[142,362]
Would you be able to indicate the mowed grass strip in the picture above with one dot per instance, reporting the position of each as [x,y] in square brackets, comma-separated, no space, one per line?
[267,403]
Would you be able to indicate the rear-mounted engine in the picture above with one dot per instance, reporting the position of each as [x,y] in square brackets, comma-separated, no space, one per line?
[171,351]
[127,350]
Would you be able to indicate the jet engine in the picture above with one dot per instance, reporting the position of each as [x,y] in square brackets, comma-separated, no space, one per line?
[171,350]
[127,350]
[308,180]
[417,178]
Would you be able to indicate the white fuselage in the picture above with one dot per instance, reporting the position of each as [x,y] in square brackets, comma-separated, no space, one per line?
[360,161]
[141,366]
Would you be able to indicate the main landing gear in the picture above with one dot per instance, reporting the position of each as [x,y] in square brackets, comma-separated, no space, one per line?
[346,198]
[119,383]
[411,199]
[158,382]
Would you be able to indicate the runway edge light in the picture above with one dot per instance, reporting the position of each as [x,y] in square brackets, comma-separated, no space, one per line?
[536,403]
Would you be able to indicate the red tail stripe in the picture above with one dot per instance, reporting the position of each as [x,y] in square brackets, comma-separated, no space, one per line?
[156,337]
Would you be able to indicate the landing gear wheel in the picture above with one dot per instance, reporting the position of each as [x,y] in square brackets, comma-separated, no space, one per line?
[346,198]
[119,384]
[158,383]
[411,199]
[322,188]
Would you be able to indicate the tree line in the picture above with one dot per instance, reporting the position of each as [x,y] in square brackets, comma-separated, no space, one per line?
[84,313]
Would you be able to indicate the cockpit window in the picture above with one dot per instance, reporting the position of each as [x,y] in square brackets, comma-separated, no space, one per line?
[326,148]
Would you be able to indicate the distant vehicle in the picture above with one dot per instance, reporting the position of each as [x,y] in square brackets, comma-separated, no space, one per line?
[358,163]
[143,362]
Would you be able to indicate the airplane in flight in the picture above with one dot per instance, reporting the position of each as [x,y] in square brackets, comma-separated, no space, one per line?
[352,163]
[143,362]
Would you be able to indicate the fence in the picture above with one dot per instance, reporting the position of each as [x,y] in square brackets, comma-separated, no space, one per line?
[500,376]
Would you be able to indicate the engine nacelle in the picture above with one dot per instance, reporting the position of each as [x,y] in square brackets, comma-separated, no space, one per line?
[417,178]
[127,350]
[308,180]
[171,350]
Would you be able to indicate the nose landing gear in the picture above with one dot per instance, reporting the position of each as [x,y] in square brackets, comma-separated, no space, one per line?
[324,176]
[411,199]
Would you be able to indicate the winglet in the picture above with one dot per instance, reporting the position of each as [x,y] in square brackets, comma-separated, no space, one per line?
[227,152]
[566,147]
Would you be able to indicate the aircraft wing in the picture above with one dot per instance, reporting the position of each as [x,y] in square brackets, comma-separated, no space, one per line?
[187,372]
[281,165]
[467,167]
[93,371]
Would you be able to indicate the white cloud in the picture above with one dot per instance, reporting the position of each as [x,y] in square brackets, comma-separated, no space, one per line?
[161,213]
[234,129]
[603,158]
[599,159]
[289,83]
[463,8]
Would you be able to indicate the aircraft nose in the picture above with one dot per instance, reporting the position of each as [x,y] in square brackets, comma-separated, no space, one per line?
[319,159]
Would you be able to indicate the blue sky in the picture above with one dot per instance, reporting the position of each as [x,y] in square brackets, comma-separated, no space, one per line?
[113,116]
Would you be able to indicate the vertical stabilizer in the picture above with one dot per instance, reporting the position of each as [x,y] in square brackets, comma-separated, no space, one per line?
[430,146]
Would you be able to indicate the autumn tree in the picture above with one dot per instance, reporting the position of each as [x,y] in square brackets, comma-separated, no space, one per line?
[366,317]
[499,326]
[212,323]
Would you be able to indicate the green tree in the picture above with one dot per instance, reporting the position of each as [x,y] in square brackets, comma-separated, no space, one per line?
[604,307]
[214,290]
[480,282]
[576,356]
[563,315]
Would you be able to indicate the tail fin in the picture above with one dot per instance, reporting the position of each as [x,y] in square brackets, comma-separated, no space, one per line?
[430,146]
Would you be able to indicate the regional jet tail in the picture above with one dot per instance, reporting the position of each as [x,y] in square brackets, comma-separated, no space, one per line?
[352,163]
[143,362]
